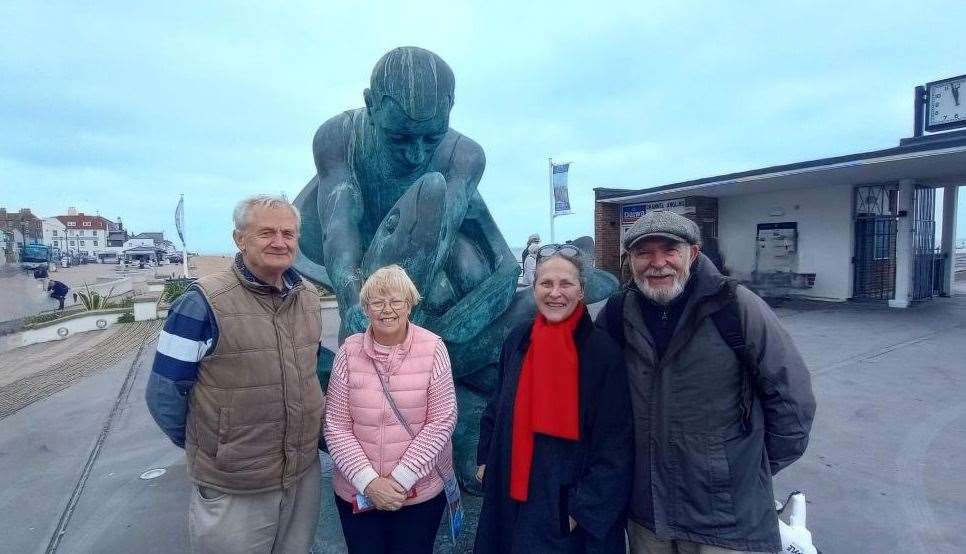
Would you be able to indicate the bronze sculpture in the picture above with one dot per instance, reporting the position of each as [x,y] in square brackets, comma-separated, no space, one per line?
[395,184]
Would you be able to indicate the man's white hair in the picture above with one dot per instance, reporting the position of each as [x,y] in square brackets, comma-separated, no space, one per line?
[244,208]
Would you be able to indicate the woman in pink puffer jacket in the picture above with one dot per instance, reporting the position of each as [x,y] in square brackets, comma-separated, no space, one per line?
[388,483]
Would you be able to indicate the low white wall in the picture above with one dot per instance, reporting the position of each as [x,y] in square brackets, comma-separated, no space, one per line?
[146,307]
[824,218]
[71,325]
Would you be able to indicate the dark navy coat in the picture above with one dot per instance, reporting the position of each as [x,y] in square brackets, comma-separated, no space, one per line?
[589,479]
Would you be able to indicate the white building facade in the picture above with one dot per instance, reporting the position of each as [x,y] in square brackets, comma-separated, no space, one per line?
[55,233]
[864,226]
[86,234]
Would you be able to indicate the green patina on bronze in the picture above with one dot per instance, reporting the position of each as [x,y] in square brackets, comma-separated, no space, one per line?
[395,184]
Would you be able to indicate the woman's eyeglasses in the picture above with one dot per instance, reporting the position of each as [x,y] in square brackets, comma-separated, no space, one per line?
[379,305]
[566,250]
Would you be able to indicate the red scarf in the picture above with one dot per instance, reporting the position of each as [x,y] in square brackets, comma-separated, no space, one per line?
[546,401]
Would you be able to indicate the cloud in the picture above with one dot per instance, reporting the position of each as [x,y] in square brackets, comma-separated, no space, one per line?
[120,106]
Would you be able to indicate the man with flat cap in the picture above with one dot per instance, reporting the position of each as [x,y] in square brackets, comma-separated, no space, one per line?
[721,397]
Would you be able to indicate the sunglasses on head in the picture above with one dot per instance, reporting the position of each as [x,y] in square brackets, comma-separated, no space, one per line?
[565,250]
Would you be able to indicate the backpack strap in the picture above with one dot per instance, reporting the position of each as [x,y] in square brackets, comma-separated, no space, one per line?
[728,322]
[614,316]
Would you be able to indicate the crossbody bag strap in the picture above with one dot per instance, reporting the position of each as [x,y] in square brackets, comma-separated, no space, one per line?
[402,419]
[395,408]
[728,322]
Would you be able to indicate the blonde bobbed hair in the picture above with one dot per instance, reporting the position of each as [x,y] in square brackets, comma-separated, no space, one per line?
[387,282]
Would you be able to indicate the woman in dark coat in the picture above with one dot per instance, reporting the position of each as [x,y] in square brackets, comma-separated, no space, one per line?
[556,439]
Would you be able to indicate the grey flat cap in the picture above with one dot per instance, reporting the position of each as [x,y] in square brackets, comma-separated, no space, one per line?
[663,223]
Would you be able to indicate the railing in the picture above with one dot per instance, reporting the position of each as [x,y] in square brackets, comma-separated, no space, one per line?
[939,275]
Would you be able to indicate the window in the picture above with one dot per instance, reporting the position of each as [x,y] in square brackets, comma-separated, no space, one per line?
[95,243]
[87,224]
[82,243]
[72,243]
[72,224]
[56,245]
[54,232]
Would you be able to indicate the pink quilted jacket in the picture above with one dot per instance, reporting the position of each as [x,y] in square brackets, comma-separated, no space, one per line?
[361,430]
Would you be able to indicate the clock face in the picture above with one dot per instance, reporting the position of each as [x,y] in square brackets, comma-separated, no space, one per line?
[947,103]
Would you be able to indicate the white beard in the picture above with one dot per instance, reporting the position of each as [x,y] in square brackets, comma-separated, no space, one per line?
[664,295]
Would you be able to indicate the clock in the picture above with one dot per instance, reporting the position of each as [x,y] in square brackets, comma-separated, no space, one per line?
[946,104]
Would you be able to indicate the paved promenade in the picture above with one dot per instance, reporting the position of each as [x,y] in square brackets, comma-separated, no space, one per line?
[882,472]
[25,296]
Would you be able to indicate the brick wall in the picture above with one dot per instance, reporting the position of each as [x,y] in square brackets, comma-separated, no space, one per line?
[607,234]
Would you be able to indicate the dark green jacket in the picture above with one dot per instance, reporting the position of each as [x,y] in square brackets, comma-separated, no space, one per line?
[698,475]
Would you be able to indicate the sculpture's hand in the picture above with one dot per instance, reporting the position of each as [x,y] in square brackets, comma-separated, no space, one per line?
[355,320]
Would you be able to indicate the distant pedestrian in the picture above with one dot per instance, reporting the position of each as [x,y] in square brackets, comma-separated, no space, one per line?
[530,259]
[721,398]
[58,291]
[234,384]
[534,238]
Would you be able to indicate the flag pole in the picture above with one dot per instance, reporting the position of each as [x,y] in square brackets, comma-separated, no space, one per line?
[552,207]
[184,258]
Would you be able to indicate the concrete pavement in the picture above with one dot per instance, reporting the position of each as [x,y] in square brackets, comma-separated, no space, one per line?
[882,473]
[24,296]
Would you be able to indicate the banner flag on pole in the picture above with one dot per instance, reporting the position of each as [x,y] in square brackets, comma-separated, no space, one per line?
[179,219]
[561,198]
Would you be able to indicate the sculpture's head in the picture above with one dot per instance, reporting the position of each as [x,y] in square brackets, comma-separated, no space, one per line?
[408,101]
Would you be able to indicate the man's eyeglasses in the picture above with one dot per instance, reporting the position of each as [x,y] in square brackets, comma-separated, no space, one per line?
[379,305]
[565,250]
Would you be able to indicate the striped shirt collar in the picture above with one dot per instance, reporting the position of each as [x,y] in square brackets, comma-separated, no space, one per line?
[290,278]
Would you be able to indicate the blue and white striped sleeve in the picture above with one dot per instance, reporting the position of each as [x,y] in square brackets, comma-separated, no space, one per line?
[189,334]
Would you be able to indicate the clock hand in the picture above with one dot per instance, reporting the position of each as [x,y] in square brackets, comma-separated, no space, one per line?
[955,90]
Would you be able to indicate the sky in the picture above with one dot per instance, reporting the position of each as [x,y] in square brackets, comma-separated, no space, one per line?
[117,108]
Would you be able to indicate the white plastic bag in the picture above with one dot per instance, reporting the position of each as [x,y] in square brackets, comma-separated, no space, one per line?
[796,538]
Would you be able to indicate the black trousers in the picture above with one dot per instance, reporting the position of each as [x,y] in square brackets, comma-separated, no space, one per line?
[59,299]
[410,530]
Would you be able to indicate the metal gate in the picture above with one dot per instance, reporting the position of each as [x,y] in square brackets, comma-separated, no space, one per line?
[925,253]
[875,242]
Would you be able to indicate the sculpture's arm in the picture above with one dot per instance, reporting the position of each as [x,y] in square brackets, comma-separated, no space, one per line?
[340,211]
[463,176]
[489,291]
[463,179]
